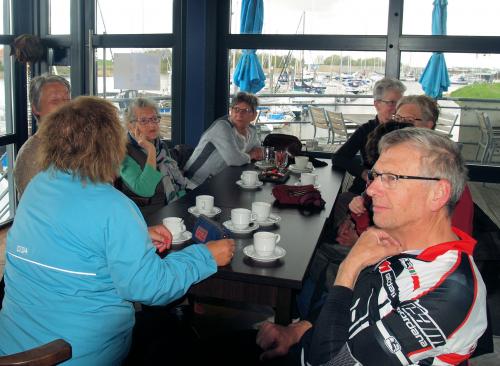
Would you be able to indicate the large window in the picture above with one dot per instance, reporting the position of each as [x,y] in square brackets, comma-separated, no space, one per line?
[319,17]
[465,18]
[133,17]
[124,74]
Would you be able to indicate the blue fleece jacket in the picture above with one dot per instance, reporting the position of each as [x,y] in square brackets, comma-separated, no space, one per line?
[77,256]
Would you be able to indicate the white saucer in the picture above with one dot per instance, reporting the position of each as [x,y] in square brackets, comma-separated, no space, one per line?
[261,164]
[309,168]
[185,236]
[256,185]
[229,225]
[279,252]
[271,220]
[194,211]
[300,184]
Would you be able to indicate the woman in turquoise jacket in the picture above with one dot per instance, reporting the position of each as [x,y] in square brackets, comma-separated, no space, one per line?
[79,252]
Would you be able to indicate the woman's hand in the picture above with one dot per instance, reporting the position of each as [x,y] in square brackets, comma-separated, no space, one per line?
[146,145]
[161,237]
[222,250]
[357,205]
[346,234]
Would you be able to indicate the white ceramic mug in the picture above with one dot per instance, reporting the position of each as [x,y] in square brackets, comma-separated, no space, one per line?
[249,177]
[261,210]
[264,243]
[241,218]
[308,178]
[205,204]
[301,162]
[175,225]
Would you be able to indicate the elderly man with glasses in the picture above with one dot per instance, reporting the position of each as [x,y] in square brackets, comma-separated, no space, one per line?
[408,292]
[230,141]
[149,175]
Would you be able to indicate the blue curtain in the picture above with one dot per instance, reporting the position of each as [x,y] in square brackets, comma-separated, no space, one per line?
[248,75]
[434,78]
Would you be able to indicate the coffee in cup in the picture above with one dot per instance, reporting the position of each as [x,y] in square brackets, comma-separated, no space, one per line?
[261,210]
[249,177]
[301,162]
[241,218]
[175,225]
[308,178]
[205,204]
[264,243]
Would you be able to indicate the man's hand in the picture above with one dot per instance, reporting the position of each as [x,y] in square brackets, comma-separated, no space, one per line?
[357,205]
[372,246]
[256,153]
[276,340]
[222,250]
[346,234]
[161,237]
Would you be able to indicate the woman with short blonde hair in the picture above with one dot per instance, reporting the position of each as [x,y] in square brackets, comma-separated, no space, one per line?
[79,252]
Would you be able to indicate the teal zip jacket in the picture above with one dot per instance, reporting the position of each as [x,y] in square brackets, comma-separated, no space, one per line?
[77,256]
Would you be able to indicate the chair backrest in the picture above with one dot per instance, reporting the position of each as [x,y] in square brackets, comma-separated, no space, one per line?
[318,117]
[446,123]
[48,354]
[340,133]
[281,141]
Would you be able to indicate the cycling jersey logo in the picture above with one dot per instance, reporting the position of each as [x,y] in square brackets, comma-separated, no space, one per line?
[385,267]
[389,281]
[413,273]
[392,344]
[421,325]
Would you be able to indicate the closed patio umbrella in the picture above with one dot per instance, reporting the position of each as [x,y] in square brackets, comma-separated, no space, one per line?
[434,78]
[249,75]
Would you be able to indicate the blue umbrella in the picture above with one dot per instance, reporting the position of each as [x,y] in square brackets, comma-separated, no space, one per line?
[249,75]
[434,78]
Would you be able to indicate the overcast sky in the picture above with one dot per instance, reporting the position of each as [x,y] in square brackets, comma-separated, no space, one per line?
[321,17]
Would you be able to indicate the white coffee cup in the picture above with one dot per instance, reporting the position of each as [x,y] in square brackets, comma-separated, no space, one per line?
[249,177]
[301,162]
[264,243]
[205,204]
[175,225]
[261,210]
[241,218]
[308,178]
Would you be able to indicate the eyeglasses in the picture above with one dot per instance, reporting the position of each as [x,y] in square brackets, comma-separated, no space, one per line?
[389,180]
[145,121]
[392,103]
[399,118]
[242,110]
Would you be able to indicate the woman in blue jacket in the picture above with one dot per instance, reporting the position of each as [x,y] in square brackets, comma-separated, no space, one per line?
[79,252]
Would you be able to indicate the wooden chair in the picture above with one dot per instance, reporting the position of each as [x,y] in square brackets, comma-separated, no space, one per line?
[319,120]
[48,354]
[341,129]
[446,123]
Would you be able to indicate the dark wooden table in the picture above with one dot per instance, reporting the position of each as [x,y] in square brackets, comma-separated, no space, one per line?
[246,280]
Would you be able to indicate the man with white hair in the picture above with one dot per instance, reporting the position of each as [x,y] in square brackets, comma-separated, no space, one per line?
[408,292]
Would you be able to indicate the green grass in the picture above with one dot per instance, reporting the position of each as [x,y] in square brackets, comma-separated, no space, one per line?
[481,91]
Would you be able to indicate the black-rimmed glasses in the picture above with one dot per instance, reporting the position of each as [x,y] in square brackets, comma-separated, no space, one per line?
[242,110]
[399,118]
[145,121]
[389,180]
[389,102]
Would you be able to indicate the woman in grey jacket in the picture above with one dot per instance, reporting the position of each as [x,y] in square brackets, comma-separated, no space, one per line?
[230,140]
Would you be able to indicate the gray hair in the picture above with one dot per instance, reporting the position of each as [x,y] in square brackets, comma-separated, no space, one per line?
[384,85]
[441,157]
[139,103]
[247,98]
[37,84]
[428,107]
